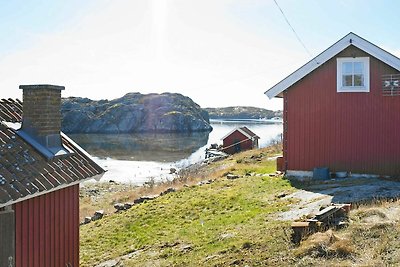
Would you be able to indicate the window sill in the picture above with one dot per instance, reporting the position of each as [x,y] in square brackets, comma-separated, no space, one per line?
[353,90]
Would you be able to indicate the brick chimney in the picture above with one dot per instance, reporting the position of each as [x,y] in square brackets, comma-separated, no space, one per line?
[41,118]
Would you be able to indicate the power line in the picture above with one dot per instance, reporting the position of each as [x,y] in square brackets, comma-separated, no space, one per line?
[293,30]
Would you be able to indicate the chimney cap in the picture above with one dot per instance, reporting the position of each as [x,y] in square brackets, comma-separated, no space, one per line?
[41,86]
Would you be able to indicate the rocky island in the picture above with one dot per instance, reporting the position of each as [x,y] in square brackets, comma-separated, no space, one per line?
[132,113]
[242,112]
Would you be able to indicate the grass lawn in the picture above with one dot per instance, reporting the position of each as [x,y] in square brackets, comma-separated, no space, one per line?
[225,222]
[233,223]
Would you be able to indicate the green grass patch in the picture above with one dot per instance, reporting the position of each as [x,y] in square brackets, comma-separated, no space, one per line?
[215,224]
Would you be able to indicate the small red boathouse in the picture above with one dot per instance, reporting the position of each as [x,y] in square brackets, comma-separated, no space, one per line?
[239,139]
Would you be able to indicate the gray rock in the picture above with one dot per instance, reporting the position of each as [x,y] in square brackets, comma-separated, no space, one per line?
[111,263]
[185,247]
[232,176]
[128,205]
[172,170]
[227,235]
[168,190]
[119,206]
[87,220]
[93,192]
[134,112]
[98,215]
[144,198]
[205,182]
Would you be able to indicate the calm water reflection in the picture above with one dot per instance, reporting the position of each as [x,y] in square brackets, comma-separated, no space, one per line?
[134,158]
[168,147]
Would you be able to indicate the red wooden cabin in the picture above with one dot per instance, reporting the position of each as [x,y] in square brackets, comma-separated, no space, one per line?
[239,139]
[40,172]
[341,110]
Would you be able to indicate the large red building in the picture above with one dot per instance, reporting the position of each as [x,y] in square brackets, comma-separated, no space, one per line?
[40,172]
[342,110]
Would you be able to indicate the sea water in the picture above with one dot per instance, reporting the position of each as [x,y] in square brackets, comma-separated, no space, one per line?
[139,158]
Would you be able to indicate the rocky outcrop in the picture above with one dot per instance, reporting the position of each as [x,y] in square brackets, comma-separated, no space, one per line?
[231,113]
[134,112]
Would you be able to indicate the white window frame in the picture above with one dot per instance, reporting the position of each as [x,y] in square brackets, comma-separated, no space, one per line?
[349,89]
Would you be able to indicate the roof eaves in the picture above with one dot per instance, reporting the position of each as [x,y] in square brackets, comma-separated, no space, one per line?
[234,130]
[83,152]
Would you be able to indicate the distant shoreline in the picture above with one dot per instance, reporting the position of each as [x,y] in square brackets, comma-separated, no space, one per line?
[235,120]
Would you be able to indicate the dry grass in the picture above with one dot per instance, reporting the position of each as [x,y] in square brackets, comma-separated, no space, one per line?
[327,245]
[370,215]
[372,239]
[111,193]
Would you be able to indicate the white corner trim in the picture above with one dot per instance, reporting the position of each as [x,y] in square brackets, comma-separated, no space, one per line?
[349,39]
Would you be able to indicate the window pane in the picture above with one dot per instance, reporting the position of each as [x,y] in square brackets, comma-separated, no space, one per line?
[358,80]
[347,80]
[347,67]
[358,68]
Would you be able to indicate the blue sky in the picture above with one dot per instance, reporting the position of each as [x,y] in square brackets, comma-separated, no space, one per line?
[218,52]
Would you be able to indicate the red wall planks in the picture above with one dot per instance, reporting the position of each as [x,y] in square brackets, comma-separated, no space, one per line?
[18,230]
[74,243]
[355,132]
[42,232]
[47,229]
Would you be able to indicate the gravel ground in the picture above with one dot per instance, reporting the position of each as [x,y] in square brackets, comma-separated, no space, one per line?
[310,198]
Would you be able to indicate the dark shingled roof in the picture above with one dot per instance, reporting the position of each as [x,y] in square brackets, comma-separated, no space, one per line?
[10,110]
[25,173]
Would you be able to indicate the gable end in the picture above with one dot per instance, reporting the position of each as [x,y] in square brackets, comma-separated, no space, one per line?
[348,40]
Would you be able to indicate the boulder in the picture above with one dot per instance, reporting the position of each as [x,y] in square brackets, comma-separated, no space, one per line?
[144,198]
[128,205]
[167,191]
[98,215]
[232,176]
[119,206]
[87,220]
[205,182]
